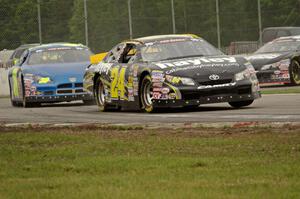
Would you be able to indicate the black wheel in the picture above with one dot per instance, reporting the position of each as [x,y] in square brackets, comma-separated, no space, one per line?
[100,97]
[241,103]
[89,102]
[13,103]
[295,72]
[146,95]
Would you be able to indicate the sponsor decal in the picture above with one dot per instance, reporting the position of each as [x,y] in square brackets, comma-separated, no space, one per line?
[156,95]
[158,79]
[157,89]
[197,61]
[201,66]
[130,94]
[157,84]
[135,70]
[135,86]
[164,96]
[171,40]
[286,76]
[263,56]
[217,85]
[157,74]
[103,68]
[277,72]
[165,90]
[27,93]
[172,96]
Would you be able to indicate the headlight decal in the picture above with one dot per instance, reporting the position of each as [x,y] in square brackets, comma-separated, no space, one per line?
[180,80]
[29,89]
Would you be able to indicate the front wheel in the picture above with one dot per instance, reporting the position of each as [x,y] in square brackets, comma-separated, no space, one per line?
[146,94]
[12,101]
[240,104]
[295,72]
[103,105]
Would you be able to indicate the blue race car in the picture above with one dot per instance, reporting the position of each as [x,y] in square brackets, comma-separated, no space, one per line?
[50,73]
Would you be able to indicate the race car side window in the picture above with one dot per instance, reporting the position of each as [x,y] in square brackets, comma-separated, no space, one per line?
[128,54]
[114,55]
[23,58]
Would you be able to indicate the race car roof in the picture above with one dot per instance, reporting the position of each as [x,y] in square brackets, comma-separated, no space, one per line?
[296,38]
[56,45]
[156,38]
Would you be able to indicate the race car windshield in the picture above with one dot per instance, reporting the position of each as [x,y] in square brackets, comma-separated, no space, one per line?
[279,46]
[53,56]
[180,49]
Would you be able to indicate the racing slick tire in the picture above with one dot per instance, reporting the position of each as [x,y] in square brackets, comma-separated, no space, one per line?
[13,103]
[240,104]
[146,95]
[100,97]
[295,72]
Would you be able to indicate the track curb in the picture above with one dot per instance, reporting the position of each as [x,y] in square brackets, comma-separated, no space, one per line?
[132,126]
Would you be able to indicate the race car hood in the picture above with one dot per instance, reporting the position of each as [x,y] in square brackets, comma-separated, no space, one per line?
[259,60]
[201,68]
[58,72]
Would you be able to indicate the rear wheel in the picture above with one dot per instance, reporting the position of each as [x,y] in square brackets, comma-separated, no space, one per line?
[240,104]
[146,94]
[295,72]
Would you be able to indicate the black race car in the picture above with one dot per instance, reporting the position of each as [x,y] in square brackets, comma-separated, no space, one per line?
[170,71]
[277,62]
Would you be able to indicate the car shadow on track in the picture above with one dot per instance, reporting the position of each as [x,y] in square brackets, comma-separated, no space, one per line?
[187,110]
[64,104]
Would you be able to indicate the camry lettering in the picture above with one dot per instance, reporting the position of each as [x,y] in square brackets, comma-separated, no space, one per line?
[197,61]
[217,85]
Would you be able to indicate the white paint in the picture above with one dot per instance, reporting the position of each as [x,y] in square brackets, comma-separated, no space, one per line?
[4,87]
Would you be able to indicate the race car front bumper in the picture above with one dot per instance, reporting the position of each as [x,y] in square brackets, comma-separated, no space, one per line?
[59,98]
[269,77]
[206,100]
[243,91]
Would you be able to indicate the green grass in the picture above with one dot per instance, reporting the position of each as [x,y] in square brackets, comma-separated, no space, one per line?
[281,90]
[186,163]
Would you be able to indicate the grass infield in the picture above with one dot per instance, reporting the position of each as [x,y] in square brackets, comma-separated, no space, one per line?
[145,163]
[281,90]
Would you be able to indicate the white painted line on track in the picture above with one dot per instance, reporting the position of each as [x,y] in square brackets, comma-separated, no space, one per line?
[262,116]
[283,94]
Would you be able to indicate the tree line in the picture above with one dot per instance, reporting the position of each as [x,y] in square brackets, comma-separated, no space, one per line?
[108,21]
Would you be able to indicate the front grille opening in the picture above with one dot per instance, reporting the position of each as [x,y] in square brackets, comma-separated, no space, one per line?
[79,91]
[64,86]
[246,90]
[64,91]
[216,82]
[78,84]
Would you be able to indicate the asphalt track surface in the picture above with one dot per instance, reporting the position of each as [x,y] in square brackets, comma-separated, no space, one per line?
[270,108]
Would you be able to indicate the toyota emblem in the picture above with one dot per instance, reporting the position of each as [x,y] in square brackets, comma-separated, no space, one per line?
[214,77]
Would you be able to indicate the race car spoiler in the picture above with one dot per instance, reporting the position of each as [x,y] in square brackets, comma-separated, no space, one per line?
[95,59]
